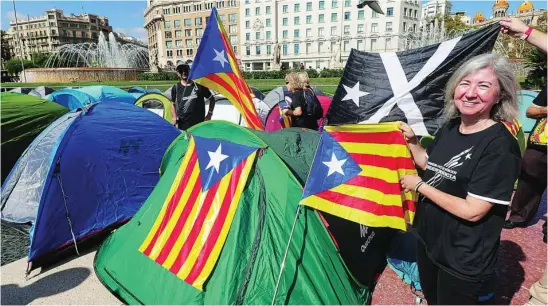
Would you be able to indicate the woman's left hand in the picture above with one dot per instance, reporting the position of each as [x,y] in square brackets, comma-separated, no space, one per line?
[408,182]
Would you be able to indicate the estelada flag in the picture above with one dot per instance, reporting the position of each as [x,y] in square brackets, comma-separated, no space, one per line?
[215,67]
[190,230]
[355,175]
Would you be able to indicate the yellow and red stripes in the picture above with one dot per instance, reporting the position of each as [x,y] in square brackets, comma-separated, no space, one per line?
[374,197]
[190,230]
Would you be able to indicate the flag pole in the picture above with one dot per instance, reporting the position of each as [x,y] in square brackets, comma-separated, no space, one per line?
[299,207]
[282,266]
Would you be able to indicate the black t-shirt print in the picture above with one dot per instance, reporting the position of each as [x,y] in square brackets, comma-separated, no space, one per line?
[537,138]
[190,103]
[483,165]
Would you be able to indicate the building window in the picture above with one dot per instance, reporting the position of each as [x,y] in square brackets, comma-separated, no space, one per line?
[188,32]
[258,50]
[198,41]
[188,22]
[285,9]
[284,21]
[308,32]
[247,50]
[247,12]
[346,46]
[178,33]
[179,43]
[257,11]
[347,3]
[320,32]
[373,28]
[297,7]
[267,34]
[361,14]
[199,32]
[373,44]
[346,15]
[390,11]
[189,52]
[333,16]
[296,48]
[308,47]
[233,40]
[257,35]
[232,17]
[321,18]
[284,49]
[169,53]
[297,20]
[374,14]
[309,19]
[346,29]
[247,36]
[198,21]
[247,24]
[285,34]
[177,24]
[267,22]
[404,26]
[321,5]
[334,3]
[388,44]
[267,10]
[169,44]
[405,11]
[333,31]
[167,25]
[268,49]
[167,34]
[360,28]
[359,44]
[296,33]
[309,6]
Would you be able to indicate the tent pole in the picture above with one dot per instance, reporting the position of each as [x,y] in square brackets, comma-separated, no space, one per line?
[282,266]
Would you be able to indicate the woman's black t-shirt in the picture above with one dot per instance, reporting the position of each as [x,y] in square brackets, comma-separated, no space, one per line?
[303,121]
[483,165]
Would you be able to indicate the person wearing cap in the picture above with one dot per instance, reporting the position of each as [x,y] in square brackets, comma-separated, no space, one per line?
[188,101]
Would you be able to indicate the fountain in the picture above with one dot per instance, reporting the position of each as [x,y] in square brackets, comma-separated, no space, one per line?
[106,60]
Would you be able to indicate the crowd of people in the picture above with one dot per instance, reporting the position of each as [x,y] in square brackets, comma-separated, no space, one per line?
[469,170]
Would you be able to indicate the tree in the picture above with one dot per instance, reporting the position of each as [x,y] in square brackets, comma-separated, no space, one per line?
[13,66]
[5,50]
[40,59]
[536,62]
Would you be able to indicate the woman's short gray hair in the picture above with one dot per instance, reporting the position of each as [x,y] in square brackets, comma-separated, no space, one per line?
[507,108]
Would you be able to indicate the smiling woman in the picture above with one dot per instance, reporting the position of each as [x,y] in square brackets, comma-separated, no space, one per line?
[470,170]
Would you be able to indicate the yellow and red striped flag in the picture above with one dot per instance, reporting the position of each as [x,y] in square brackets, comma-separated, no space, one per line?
[355,175]
[215,67]
[191,228]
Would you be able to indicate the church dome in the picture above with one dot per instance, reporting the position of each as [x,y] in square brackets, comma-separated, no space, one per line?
[525,7]
[500,4]
[479,18]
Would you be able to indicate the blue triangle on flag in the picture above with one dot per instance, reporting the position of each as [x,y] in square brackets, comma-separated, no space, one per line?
[217,157]
[332,167]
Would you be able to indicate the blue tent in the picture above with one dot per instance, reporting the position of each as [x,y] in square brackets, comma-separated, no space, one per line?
[89,170]
[78,98]
[143,90]
[525,99]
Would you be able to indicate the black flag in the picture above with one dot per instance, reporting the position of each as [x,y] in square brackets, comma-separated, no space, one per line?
[404,86]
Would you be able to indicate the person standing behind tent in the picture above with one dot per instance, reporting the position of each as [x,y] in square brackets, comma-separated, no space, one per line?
[314,111]
[532,178]
[298,104]
[470,170]
[188,101]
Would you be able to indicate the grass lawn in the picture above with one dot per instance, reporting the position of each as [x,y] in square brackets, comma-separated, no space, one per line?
[328,85]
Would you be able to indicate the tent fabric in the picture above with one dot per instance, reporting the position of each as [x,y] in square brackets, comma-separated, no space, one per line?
[138,89]
[71,98]
[525,99]
[249,262]
[23,119]
[94,167]
[21,90]
[156,103]
[43,91]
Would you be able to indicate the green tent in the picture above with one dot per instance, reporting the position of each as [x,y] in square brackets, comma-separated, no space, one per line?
[249,263]
[156,103]
[23,118]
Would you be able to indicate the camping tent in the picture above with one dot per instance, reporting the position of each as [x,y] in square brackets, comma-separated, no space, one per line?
[23,118]
[44,91]
[21,90]
[156,103]
[89,170]
[142,90]
[80,97]
[525,98]
[247,269]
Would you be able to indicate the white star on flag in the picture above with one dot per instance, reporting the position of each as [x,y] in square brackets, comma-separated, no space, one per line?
[220,57]
[354,93]
[335,165]
[216,158]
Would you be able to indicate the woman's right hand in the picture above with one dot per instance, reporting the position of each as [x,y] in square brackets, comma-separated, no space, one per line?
[408,132]
[513,27]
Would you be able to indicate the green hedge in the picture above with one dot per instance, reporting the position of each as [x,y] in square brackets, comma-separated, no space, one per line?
[248,75]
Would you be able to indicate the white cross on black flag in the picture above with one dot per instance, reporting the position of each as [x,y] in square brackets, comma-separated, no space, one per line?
[404,86]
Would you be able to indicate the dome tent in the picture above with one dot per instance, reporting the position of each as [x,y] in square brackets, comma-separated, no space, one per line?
[73,181]
[247,269]
[24,117]
[80,97]
[156,103]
